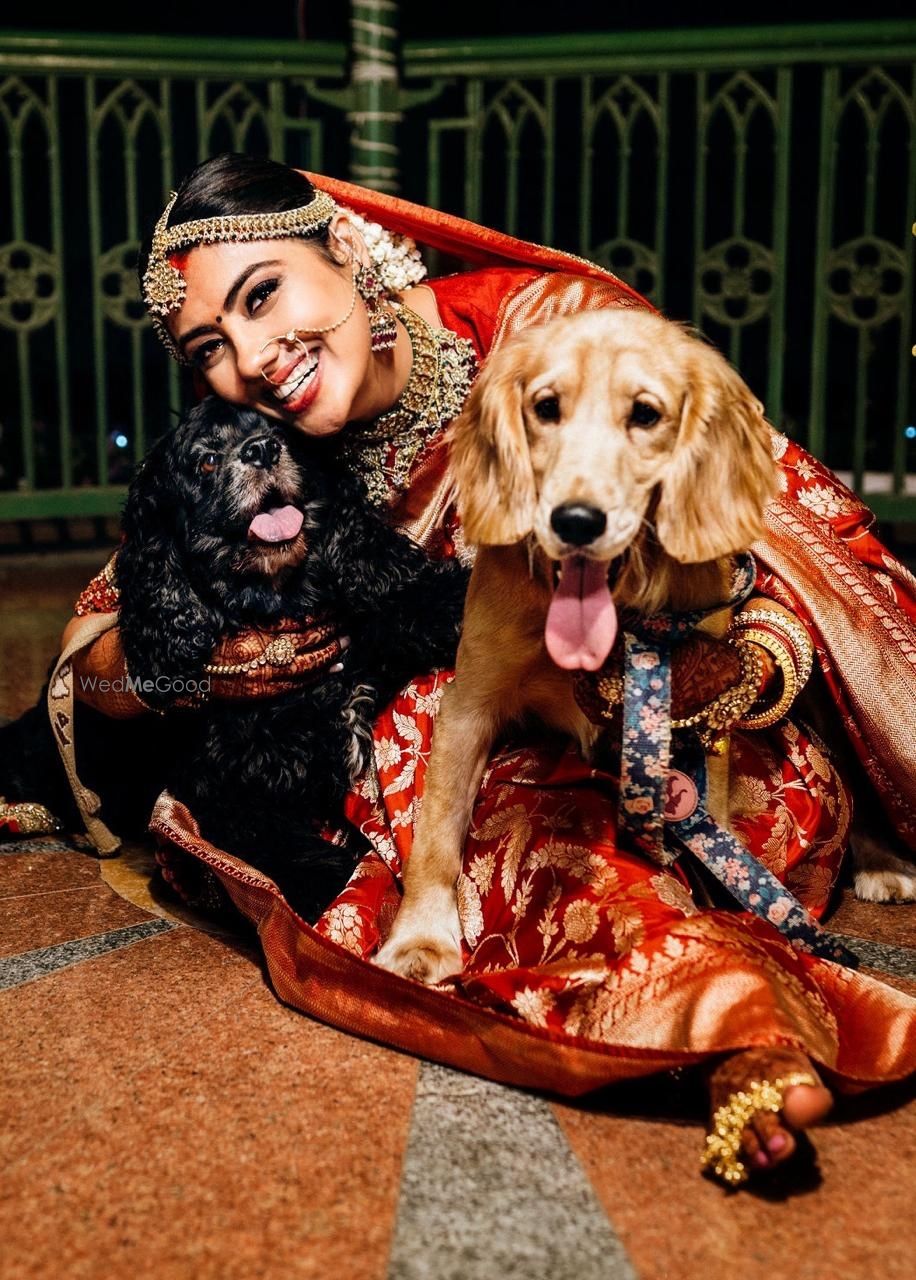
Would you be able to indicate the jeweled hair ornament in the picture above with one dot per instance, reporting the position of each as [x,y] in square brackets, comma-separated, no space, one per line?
[164,285]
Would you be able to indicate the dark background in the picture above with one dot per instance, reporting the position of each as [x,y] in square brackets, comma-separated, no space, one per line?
[419,19]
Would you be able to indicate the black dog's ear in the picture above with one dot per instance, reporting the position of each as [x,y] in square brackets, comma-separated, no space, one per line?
[167,631]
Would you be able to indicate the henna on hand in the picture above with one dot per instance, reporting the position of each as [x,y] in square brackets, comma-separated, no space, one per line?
[701,668]
[311,652]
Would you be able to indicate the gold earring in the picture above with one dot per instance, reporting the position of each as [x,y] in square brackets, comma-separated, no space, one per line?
[383,329]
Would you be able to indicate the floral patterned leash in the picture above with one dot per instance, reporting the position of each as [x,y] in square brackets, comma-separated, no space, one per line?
[662,801]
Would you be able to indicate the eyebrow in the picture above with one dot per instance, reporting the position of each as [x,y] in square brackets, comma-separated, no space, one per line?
[229,300]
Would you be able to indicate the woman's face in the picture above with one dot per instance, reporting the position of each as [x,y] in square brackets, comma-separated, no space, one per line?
[239,296]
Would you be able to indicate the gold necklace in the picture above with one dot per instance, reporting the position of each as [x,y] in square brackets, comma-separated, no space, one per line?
[442,368]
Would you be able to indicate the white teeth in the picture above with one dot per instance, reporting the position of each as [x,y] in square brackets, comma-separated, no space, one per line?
[300,376]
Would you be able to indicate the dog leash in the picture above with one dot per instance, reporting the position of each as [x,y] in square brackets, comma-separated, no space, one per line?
[663,783]
[60,711]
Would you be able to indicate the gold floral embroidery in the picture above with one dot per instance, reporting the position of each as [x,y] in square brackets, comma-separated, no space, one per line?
[343,925]
[779,444]
[579,860]
[812,882]
[749,795]
[547,926]
[387,753]
[481,871]
[407,817]
[628,927]
[580,920]
[470,912]
[409,731]
[672,893]
[427,704]
[827,502]
[534,1005]
[774,854]
[514,825]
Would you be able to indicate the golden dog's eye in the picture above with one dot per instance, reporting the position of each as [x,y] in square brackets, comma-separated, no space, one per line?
[644,415]
[547,410]
[208,463]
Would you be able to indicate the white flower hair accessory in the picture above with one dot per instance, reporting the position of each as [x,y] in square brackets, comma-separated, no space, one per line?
[395,257]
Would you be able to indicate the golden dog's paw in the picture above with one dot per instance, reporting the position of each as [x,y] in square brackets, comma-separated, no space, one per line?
[897,885]
[423,959]
[425,940]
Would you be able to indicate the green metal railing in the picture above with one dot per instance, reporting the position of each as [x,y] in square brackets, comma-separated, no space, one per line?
[761,182]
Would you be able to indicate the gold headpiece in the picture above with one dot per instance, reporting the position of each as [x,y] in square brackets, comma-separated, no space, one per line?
[163,283]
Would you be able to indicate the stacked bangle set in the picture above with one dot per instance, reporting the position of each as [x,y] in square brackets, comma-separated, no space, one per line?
[788,644]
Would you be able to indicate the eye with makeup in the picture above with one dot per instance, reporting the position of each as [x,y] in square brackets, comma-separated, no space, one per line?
[204,355]
[256,298]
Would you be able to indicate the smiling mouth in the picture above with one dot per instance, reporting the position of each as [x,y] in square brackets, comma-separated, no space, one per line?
[299,378]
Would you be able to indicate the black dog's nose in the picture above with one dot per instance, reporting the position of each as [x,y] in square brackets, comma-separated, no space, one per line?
[577,524]
[262,452]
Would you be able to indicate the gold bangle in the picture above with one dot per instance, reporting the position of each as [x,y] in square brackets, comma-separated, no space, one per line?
[733,1117]
[788,630]
[791,685]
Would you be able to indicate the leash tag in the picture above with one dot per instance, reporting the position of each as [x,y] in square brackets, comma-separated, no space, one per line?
[681,797]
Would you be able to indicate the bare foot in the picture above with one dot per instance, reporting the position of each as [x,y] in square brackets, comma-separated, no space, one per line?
[769,1138]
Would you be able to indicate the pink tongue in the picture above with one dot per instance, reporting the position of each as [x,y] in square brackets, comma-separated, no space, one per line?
[581,621]
[279,524]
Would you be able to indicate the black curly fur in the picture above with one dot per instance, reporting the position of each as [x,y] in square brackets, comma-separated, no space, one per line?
[263,776]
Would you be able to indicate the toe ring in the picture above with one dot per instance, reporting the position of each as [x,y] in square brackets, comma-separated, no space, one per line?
[723,1144]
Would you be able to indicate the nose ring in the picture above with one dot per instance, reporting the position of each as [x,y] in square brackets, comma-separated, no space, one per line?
[291,338]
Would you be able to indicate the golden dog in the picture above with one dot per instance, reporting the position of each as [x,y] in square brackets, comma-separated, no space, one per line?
[605,436]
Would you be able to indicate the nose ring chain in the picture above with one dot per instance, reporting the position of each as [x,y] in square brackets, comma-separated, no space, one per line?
[291,337]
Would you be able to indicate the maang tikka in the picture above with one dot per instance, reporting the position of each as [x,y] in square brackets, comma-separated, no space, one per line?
[383,329]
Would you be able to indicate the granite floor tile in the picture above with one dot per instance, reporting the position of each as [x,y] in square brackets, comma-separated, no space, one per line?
[491,1188]
[38,919]
[678,1225]
[174,1120]
[884,958]
[36,872]
[31,966]
[883,922]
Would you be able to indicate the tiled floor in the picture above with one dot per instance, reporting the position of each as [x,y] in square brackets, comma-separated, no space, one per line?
[163,1115]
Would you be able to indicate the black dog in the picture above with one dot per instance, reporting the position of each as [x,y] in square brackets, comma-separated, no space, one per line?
[233,522]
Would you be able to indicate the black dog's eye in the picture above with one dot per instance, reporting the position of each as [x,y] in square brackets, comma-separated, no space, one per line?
[548,409]
[208,463]
[644,415]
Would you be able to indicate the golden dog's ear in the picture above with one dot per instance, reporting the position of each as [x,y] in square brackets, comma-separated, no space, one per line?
[721,474]
[490,462]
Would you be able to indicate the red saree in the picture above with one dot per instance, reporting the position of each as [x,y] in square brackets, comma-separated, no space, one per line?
[584,963]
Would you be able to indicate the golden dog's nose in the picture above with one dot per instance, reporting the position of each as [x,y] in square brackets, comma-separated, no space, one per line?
[578,524]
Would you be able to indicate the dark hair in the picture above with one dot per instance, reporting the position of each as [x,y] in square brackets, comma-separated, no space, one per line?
[234,183]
